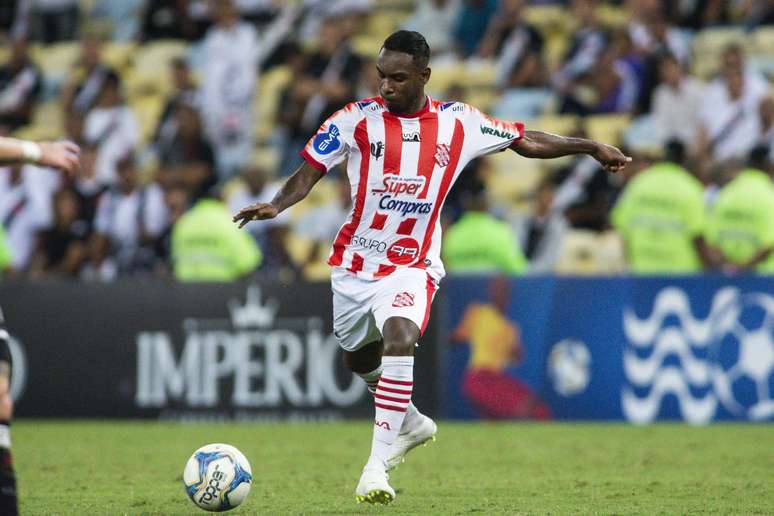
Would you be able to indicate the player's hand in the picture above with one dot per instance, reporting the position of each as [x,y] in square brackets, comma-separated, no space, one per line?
[611,158]
[258,211]
[61,155]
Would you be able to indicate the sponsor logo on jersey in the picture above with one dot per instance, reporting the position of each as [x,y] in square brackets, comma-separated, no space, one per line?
[455,106]
[403,300]
[376,150]
[497,132]
[442,155]
[398,185]
[369,243]
[387,202]
[403,252]
[411,137]
[327,142]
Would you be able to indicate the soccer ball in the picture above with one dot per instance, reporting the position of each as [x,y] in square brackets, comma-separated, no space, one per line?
[743,358]
[217,477]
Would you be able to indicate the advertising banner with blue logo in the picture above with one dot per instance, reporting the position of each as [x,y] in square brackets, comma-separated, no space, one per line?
[694,349]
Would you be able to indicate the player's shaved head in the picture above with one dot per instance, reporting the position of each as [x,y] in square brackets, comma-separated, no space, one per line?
[411,43]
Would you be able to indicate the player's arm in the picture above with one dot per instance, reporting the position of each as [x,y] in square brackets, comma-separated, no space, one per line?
[295,189]
[537,144]
[61,155]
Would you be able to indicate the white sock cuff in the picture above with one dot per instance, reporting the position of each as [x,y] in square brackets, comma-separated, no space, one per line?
[397,361]
[371,377]
[5,436]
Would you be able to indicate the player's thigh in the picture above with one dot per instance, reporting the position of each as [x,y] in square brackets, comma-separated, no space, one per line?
[407,293]
[353,323]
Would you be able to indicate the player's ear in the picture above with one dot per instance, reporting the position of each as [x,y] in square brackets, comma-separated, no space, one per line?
[425,74]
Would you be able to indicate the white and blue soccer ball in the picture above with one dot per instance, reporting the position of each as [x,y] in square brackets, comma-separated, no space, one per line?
[217,477]
[743,358]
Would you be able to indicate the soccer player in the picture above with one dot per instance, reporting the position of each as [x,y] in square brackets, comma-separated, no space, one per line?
[404,152]
[63,156]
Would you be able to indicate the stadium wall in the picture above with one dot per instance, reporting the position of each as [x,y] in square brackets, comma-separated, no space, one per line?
[695,349]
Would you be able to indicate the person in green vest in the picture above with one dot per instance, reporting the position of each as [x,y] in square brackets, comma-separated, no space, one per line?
[741,222]
[661,218]
[5,253]
[206,246]
[479,242]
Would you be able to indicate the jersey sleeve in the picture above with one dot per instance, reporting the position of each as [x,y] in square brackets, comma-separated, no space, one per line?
[332,142]
[487,135]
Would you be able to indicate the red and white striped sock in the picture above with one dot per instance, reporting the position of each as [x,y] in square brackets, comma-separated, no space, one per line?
[391,399]
[372,380]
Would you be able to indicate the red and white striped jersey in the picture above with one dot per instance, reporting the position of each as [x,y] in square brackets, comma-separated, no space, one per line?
[400,170]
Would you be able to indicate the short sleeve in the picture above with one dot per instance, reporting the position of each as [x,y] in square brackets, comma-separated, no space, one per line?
[487,135]
[330,145]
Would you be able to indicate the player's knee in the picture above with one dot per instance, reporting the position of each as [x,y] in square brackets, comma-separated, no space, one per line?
[400,336]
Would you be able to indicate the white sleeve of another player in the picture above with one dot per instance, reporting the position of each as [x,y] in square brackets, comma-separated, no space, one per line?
[330,145]
[486,135]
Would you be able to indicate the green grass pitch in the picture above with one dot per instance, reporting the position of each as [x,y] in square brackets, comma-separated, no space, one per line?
[86,468]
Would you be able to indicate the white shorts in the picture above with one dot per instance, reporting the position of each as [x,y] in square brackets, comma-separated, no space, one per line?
[361,307]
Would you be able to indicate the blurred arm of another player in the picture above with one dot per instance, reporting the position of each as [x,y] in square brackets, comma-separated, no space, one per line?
[296,188]
[61,155]
[537,144]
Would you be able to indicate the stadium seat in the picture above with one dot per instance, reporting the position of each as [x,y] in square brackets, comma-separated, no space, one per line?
[607,128]
[119,55]
[512,177]
[150,70]
[713,40]
[266,101]
[147,110]
[56,60]
[578,255]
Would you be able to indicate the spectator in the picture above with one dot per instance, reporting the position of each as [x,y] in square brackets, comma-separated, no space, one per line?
[124,17]
[542,231]
[435,19]
[112,128]
[741,222]
[661,218]
[517,46]
[767,125]
[50,21]
[185,154]
[25,209]
[6,257]
[586,46]
[85,84]
[328,80]
[232,53]
[271,235]
[730,122]
[472,21]
[677,103]
[173,19]
[479,243]
[208,246]
[20,85]
[176,199]
[184,93]
[584,194]
[332,72]
[62,249]
[130,217]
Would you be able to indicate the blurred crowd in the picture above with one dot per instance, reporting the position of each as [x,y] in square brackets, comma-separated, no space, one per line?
[188,110]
